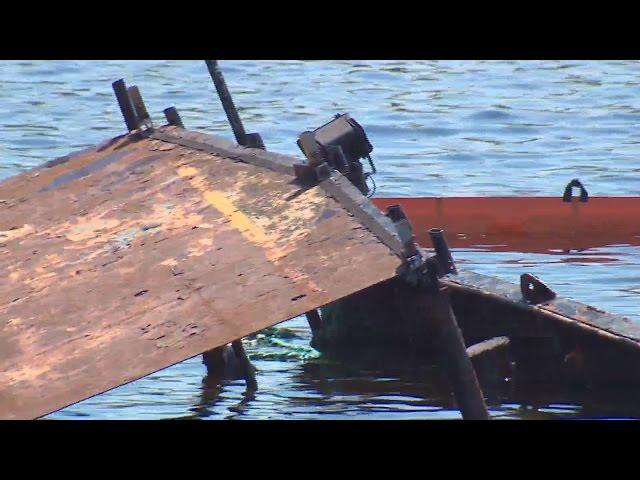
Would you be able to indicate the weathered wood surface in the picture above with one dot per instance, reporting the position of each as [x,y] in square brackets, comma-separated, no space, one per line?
[124,259]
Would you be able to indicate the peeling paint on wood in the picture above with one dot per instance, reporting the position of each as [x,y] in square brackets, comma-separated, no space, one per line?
[133,256]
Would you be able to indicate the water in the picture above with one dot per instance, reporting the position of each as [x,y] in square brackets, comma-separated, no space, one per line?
[438,128]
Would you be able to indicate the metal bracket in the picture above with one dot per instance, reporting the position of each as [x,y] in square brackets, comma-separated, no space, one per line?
[568,191]
[415,270]
[254,140]
[403,226]
[316,170]
[310,149]
[535,291]
[173,117]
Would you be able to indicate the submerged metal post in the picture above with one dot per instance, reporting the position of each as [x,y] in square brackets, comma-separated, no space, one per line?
[456,361]
[315,322]
[227,102]
[245,365]
[126,105]
[429,302]
[450,343]
[431,307]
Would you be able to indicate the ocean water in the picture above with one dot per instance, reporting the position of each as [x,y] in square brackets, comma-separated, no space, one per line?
[438,128]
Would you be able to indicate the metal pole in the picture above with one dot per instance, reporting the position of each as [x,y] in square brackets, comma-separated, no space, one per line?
[432,308]
[126,105]
[443,254]
[245,364]
[455,359]
[227,102]
[139,106]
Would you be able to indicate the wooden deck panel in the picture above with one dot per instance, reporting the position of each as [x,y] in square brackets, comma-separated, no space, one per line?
[124,259]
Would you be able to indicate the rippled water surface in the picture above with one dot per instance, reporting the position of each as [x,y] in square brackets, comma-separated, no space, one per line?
[438,128]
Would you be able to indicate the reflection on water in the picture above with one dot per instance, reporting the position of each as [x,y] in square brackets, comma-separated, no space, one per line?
[438,129]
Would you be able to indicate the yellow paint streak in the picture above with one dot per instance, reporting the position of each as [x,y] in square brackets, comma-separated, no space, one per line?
[249,228]
[220,202]
[187,171]
[239,220]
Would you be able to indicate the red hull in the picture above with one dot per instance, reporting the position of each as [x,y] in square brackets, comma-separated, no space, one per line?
[528,224]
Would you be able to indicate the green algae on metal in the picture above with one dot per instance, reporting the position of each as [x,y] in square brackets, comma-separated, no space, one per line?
[277,343]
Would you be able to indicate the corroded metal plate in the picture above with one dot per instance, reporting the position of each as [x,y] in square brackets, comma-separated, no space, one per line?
[124,259]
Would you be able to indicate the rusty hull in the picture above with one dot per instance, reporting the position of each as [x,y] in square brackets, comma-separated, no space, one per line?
[559,338]
[129,257]
[525,224]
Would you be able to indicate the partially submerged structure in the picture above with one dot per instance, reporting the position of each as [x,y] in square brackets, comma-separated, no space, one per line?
[163,244]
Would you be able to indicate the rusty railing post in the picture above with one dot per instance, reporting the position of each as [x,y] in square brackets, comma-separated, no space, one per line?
[443,254]
[142,115]
[249,140]
[455,359]
[227,102]
[450,343]
[173,117]
[126,104]
[429,302]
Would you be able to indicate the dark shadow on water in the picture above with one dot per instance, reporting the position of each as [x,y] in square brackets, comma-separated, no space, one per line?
[376,384]
[375,378]
[213,388]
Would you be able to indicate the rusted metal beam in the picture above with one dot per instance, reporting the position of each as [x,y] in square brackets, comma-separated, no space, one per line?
[126,105]
[443,254]
[427,303]
[217,145]
[132,256]
[140,108]
[455,359]
[428,318]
